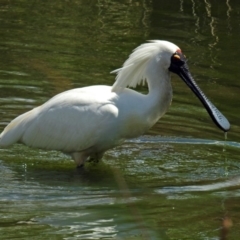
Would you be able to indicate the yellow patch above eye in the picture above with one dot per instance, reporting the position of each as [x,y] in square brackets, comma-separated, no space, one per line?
[177,57]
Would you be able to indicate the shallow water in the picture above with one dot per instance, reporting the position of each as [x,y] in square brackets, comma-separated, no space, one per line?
[179,180]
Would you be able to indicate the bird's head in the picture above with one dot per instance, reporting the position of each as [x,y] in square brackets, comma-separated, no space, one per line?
[166,57]
[178,65]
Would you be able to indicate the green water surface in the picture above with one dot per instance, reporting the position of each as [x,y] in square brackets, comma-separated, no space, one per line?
[179,180]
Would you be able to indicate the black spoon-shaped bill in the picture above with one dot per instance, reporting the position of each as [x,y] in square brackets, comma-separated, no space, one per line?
[179,66]
[219,119]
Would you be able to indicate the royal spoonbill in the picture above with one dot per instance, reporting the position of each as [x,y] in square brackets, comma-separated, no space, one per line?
[85,122]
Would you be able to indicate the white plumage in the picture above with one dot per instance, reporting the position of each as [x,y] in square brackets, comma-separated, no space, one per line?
[134,70]
[85,122]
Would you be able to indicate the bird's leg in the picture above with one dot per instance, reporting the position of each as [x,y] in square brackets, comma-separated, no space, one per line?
[80,158]
[96,157]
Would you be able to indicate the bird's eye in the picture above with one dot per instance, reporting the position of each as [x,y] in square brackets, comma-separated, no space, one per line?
[176,57]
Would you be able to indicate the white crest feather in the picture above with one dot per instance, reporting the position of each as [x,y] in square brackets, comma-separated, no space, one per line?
[134,69]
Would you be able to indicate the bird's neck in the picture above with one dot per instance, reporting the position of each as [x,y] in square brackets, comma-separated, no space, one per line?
[160,94]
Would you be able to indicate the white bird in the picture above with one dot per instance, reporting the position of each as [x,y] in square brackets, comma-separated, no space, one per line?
[85,122]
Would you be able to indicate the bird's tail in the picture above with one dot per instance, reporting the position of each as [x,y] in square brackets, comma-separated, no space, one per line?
[13,131]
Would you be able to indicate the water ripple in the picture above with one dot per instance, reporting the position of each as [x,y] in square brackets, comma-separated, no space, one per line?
[159,139]
[235,182]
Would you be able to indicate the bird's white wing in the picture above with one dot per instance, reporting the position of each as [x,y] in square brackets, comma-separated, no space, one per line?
[70,121]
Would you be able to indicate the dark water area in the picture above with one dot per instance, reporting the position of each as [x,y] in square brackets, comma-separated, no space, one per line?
[179,180]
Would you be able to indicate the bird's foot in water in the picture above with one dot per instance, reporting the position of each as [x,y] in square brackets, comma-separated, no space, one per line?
[81,157]
[80,166]
[93,160]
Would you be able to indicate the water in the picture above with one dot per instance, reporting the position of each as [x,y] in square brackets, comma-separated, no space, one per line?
[176,182]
